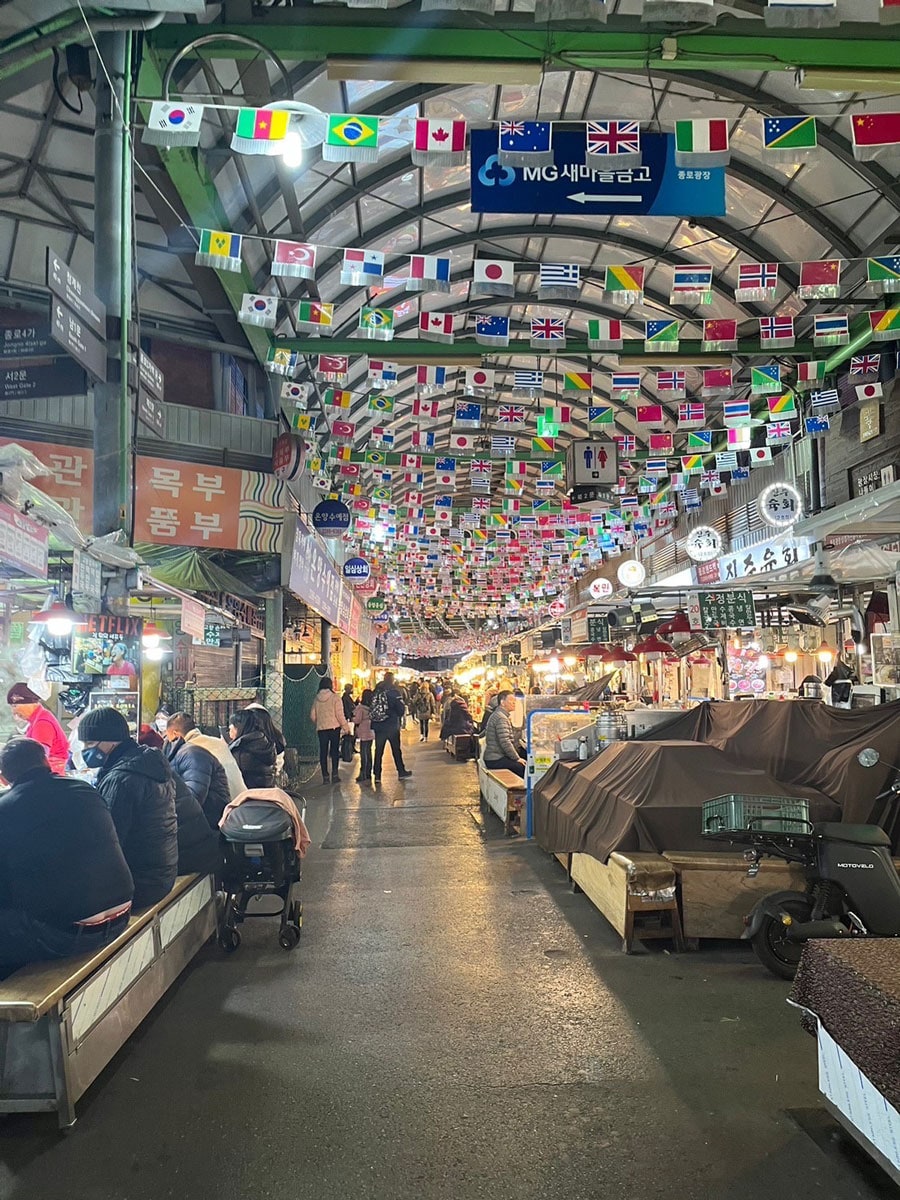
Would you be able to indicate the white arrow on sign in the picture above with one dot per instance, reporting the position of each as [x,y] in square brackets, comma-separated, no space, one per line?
[589,198]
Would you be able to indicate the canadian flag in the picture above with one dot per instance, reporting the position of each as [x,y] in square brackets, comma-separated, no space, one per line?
[442,137]
[436,324]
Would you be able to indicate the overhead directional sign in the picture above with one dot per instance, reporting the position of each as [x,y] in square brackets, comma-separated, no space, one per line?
[567,185]
[76,339]
[66,285]
[151,385]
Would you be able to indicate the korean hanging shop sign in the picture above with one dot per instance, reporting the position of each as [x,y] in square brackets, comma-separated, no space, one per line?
[722,610]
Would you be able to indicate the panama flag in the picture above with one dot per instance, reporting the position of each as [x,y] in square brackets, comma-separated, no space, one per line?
[362,267]
[441,142]
[493,277]
[173,124]
[381,372]
[296,260]
[436,326]
[382,436]
[427,273]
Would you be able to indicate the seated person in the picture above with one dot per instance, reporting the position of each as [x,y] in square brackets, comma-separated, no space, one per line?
[65,887]
[501,753]
[138,787]
[199,768]
[458,719]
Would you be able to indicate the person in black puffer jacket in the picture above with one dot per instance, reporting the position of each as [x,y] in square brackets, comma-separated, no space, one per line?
[138,787]
[201,771]
[198,846]
[256,752]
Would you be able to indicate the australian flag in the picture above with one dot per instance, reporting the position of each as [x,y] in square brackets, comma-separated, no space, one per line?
[528,137]
[491,331]
[467,413]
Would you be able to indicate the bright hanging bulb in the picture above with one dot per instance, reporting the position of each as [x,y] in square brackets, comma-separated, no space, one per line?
[825,653]
[292,150]
[763,662]
[59,626]
[791,656]
[153,653]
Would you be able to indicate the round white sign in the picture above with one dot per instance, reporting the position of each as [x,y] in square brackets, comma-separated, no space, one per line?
[703,544]
[780,505]
[600,588]
[631,574]
[556,608]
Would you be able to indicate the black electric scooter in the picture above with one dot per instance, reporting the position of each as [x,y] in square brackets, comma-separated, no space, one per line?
[852,885]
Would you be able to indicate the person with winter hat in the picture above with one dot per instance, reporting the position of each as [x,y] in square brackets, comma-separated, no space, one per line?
[138,787]
[327,714]
[41,725]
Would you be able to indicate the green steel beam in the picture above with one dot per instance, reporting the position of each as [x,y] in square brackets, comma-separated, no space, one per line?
[306,34]
[202,203]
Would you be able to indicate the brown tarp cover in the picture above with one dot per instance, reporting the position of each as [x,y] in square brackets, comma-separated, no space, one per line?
[853,987]
[647,794]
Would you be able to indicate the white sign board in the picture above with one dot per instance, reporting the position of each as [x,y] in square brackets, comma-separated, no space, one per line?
[591,462]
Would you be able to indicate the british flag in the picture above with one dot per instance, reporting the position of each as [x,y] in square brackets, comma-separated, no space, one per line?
[606,138]
[865,364]
[779,431]
[548,329]
[481,504]
[480,466]
[511,414]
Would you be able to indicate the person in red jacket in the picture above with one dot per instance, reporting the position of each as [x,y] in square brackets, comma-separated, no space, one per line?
[41,725]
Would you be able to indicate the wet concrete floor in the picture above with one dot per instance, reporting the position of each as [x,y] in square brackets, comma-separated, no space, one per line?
[455,1024]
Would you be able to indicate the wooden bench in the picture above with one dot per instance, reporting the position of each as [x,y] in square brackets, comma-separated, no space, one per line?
[62,1021]
[504,794]
[462,746]
[635,892]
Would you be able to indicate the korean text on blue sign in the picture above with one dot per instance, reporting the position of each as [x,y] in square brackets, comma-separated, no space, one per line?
[657,187]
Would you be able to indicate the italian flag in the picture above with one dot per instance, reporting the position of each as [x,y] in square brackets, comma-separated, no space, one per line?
[704,142]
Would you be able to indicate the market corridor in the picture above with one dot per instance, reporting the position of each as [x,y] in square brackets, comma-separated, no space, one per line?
[456,1024]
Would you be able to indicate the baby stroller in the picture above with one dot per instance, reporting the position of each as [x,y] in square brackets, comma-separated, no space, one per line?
[260,859]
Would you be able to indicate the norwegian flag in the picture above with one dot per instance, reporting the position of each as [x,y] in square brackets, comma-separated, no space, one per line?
[756,281]
[776,331]
[865,364]
[511,414]
[691,413]
[627,443]
[548,329]
[671,381]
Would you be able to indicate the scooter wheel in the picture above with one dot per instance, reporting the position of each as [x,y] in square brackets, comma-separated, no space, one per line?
[289,937]
[774,949]
[230,940]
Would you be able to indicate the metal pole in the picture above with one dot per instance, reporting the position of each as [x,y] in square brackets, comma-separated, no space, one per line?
[326,646]
[112,281]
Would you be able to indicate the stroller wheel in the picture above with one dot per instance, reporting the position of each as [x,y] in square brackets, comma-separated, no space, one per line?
[289,937]
[229,940]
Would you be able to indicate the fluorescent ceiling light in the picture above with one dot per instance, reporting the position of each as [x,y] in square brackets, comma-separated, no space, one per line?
[826,79]
[434,70]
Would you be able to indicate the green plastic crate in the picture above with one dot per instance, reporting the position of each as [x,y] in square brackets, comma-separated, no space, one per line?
[769,814]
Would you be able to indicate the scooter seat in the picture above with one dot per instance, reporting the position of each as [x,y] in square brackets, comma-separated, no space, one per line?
[857,835]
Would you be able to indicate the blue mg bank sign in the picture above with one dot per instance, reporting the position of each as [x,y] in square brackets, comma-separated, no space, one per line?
[658,187]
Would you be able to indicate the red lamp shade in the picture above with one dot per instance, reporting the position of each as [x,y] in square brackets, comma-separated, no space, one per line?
[679,623]
[597,650]
[618,656]
[653,647]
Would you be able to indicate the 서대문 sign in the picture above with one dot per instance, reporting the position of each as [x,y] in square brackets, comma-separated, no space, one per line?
[657,187]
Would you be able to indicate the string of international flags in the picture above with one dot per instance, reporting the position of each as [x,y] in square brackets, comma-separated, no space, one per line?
[608,143]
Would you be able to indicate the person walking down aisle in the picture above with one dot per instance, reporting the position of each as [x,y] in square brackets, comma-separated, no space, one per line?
[423,709]
[362,725]
[500,750]
[41,725]
[327,714]
[138,788]
[388,710]
[65,887]
[347,701]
